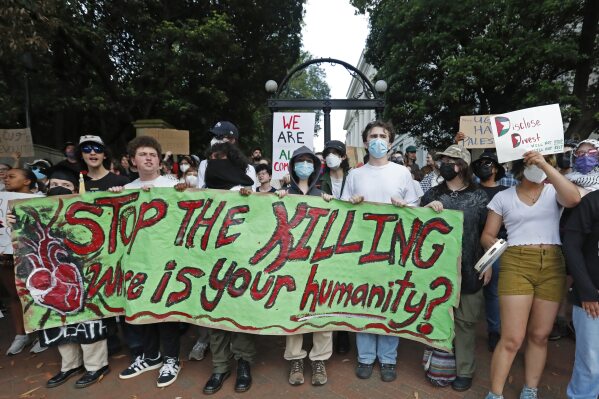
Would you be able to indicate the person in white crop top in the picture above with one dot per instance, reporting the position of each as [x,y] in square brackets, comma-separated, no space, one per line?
[532,271]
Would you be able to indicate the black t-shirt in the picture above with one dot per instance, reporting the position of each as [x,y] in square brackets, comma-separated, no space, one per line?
[272,190]
[491,191]
[581,240]
[103,184]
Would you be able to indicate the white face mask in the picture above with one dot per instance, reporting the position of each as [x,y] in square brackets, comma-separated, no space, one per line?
[333,161]
[191,180]
[184,167]
[534,174]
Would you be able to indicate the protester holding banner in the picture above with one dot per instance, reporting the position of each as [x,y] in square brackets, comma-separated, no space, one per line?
[333,183]
[264,176]
[226,169]
[144,152]
[379,181]
[304,167]
[95,156]
[21,181]
[458,192]
[532,271]
[82,347]
[489,171]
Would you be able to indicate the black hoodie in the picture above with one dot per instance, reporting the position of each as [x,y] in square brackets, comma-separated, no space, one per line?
[312,180]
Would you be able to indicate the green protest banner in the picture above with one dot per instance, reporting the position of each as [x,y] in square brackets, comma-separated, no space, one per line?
[256,264]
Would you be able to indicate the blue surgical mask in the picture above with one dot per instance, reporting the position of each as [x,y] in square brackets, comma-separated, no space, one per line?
[39,175]
[377,148]
[585,164]
[303,170]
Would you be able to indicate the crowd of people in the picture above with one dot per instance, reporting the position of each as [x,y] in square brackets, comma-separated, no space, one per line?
[546,207]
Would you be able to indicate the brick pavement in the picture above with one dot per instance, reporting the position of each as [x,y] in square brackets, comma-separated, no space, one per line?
[26,374]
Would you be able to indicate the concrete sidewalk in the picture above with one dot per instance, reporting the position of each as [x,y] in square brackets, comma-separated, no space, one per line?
[25,375]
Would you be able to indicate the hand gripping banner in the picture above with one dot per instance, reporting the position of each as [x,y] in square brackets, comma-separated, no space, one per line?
[256,264]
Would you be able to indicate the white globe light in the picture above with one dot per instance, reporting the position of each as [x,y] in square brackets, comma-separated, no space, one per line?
[380,86]
[271,86]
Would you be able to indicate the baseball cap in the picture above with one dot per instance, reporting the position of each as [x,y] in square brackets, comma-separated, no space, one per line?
[88,138]
[492,157]
[411,148]
[334,145]
[40,163]
[225,128]
[455,151]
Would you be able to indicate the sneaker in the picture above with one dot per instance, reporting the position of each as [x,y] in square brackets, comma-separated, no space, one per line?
[491,395]
[363,370]
[388,372]
[168,372]
[529,393]
[37,347]
[141,365]
[296,373]
[198,352]
[18,344]
[319,373]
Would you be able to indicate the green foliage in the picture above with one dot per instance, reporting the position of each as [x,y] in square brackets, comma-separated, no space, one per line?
[444,59]
[99,65]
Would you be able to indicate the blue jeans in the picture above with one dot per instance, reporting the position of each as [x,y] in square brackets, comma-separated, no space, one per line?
[585,375]
[372,346]
[492,301]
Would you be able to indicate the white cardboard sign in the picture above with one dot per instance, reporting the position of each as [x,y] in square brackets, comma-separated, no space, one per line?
[539,129]
[5,231]
[290,131]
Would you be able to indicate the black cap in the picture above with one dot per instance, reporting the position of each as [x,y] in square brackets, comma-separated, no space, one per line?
[493,157]
[225,128]
[63,173]
[334,145]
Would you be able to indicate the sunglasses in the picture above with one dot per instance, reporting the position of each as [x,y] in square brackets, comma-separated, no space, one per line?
[583,153]
[88,148]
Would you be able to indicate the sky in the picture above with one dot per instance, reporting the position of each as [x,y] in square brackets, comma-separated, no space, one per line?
[333,30]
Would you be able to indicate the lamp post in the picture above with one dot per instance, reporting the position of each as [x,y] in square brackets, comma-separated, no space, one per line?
[371,96]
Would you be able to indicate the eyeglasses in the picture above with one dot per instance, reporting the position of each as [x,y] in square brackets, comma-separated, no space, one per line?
[88,148]
[588,152]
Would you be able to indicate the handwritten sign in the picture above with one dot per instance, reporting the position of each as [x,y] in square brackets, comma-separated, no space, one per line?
[16,140]
[255,264]
[173,140]
[539,129]
[290,131]
[477,129]
[5,231]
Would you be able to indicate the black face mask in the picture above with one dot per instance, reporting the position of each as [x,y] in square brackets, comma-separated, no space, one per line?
[484,172]
[447,171]
[564,160]
[58,190]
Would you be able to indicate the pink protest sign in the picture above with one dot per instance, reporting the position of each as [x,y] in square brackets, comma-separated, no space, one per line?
[538,129]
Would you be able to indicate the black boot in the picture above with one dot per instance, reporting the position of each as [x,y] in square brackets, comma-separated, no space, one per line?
[244,377]
[215,382]
[63,376]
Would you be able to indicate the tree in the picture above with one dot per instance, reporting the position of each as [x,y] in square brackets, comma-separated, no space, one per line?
[446,59]
[98,65]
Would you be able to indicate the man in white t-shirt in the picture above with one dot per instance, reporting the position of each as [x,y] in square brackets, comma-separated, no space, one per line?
[145,153]
[379,181]
[224,131]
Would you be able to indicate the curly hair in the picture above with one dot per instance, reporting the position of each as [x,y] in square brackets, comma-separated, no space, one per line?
[143,141]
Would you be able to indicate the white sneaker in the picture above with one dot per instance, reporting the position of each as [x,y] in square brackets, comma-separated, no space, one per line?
[18,344]
[198,352]
[37,347]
